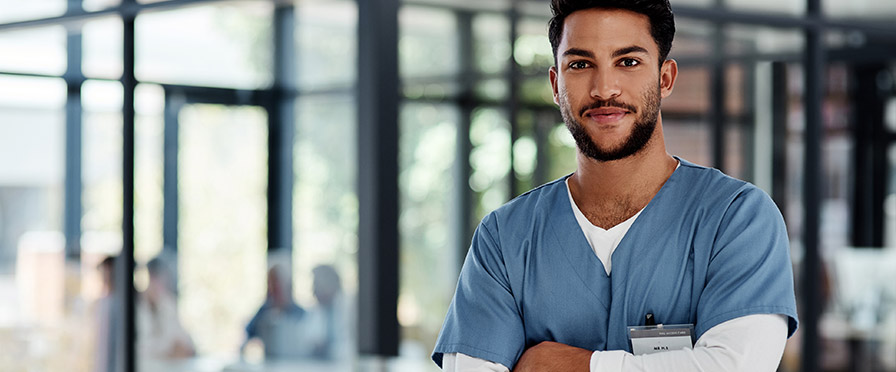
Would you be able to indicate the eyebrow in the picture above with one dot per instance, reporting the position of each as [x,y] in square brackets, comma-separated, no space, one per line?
[630,49]
[578,52]
[616,53]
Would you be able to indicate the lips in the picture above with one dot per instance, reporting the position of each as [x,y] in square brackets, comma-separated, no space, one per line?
[606,115]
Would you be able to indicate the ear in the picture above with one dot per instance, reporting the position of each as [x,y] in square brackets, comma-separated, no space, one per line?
[552,74]
[668,74]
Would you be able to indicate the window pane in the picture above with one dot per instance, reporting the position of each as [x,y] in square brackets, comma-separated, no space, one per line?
[692,40]
[221,234]
[685,114]
[492,48]
[325,220]
[223,45]
[427,153]
[94,5]
[327,43]
[102,43]
[794,7]
[532,50]
[102,158]
[765,42]
[427,43]
[38,50]
[870,10]
[148,168]
[490,160]
[41,297]
[16,10]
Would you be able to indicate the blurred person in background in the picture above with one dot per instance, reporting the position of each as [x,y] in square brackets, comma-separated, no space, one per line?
[105,319]
[278,324]
[327,325]
[160,334]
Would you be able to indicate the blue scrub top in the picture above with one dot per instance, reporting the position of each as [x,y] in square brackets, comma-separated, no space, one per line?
[707,248]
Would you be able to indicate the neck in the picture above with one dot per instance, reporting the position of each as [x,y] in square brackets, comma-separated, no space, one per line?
[632,181]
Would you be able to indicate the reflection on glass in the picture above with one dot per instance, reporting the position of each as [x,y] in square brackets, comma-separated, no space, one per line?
[37,50]
[221,45]
[221,235]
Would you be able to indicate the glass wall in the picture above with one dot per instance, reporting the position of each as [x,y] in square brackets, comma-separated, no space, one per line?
[44,319]
[246,168]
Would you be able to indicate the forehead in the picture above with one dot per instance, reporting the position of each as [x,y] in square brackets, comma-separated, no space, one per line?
[598,28]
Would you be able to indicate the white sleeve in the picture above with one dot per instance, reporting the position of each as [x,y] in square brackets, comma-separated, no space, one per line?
[749,343]
[458,362]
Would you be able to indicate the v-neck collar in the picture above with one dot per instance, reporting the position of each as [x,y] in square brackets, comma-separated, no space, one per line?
[572,242]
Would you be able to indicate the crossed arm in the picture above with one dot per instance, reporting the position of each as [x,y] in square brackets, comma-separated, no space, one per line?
[749,343]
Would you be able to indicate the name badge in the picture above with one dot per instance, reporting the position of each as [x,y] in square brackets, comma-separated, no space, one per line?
[659,338]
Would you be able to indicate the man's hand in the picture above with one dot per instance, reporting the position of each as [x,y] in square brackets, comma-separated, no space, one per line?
[550,356]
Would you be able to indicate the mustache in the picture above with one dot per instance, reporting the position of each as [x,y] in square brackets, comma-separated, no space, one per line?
[608,103]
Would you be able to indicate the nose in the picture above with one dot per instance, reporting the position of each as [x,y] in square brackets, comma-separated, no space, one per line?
[605,85]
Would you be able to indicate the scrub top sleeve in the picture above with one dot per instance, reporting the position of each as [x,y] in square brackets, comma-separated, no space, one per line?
[483,319]
[749,269]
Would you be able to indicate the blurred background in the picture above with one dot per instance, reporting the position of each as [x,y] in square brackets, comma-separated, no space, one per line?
[265,185]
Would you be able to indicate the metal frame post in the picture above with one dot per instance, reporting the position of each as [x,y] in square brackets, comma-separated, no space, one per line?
[378,130]
[814,77]
[125,270]
[74,80]
[281,132]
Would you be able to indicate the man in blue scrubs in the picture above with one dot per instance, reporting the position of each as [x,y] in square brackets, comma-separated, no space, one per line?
[554,279]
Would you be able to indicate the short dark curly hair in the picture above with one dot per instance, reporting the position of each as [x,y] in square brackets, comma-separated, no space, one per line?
[662,22]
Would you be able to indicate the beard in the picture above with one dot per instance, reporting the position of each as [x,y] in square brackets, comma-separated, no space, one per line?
[642,131]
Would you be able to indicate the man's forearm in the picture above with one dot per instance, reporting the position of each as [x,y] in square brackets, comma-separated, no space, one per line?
[751,343]
[551,356]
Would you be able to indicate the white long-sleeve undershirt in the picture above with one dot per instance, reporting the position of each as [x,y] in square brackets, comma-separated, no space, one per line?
[751,343]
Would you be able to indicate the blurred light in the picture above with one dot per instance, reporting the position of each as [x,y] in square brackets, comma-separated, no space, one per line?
[408,311]
[560,136]
[524,153]
[105,96]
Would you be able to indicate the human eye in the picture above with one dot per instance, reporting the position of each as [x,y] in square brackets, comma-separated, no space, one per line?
[629,62]
[578,65]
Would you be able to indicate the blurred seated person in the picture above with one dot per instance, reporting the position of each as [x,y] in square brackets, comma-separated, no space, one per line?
[328,329]
[278,323]
[160,334]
